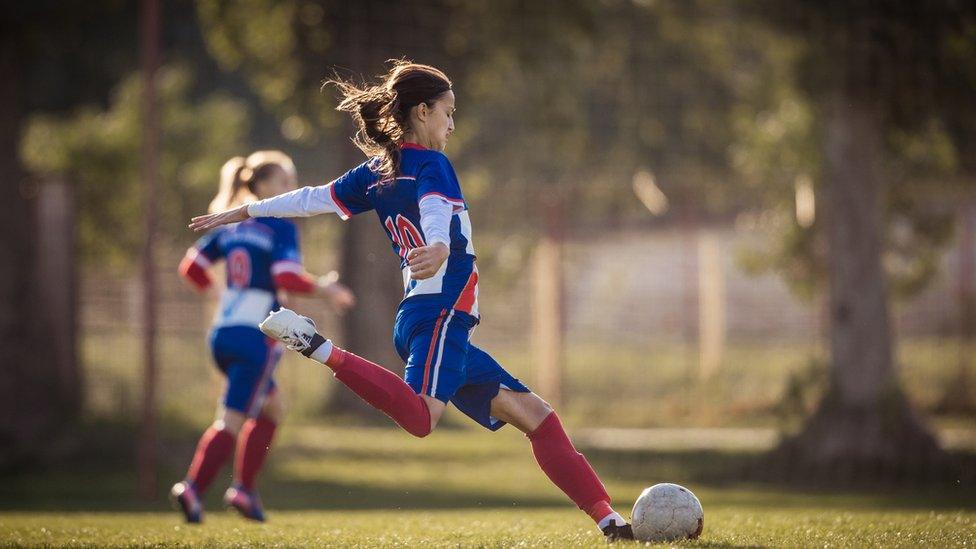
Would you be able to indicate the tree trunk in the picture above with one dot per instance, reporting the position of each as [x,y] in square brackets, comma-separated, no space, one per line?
[371,270]
[35,404]
[864,428]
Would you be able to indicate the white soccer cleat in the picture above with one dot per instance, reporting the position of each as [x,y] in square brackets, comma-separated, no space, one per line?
[292,329]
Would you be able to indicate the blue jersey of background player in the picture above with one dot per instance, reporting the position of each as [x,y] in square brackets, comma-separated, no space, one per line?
[404,124]
[263,262]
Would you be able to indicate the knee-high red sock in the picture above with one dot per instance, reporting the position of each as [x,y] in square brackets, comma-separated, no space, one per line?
[383,389]
[252,447]
[568,469]
[212,452]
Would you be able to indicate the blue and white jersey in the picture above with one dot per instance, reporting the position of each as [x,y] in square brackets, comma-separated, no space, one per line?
[255,252]
[423,173]
[426,179]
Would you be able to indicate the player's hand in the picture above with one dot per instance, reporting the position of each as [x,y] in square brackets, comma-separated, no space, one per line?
[339,295]
[425,261]
[209,221]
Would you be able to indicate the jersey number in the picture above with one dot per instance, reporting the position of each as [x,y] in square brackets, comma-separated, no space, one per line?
[239,268]
[404,234]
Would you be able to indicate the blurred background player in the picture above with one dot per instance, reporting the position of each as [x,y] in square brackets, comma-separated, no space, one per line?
[263,262]
[404,124]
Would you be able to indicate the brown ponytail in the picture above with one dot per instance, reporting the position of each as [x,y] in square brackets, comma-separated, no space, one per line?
[239,176]
[382,112]
[231,186]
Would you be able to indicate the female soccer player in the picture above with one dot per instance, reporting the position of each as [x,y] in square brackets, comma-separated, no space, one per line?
[404,124]
[263,261]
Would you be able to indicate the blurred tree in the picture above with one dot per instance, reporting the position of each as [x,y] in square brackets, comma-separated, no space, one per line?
[100,150]
[43,67]
[880,76]
[575,98]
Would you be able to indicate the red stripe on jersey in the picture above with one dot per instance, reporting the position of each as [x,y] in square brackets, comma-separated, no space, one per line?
[191,270]
[294,282]
[430,352]
[413,146]
[344,212]
[465,301]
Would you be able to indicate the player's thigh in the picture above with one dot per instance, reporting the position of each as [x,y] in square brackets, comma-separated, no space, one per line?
[485,380]
[250,376]
[524,410]
[437,348]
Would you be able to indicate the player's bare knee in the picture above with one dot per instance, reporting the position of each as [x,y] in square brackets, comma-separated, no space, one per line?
[230,421]
[436,409]
[273,408]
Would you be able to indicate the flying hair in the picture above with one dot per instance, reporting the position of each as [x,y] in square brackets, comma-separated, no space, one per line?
[382,111]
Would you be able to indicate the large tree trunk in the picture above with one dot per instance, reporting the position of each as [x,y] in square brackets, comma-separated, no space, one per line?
[36,401]
[371,270]
[864,428]
[368,266]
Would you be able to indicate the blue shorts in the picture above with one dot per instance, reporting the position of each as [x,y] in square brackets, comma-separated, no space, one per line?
[248,359]
[442,362]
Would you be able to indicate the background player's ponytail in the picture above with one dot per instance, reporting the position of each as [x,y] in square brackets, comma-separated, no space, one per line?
[228,194]
[240,176]
[382,112]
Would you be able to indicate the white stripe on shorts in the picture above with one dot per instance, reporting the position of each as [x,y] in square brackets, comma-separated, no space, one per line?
[440,354]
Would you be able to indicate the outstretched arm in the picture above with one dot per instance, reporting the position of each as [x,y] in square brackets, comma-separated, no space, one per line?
[206,222]
[304,202]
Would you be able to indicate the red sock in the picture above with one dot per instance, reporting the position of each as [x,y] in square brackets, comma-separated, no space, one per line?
[568,469]
[212,452]
[252,447]
[383,389]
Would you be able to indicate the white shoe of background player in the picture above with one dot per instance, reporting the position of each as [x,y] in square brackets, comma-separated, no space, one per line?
[292,329]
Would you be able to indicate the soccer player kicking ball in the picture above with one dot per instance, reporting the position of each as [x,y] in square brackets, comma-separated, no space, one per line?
[263,260]
[404,123]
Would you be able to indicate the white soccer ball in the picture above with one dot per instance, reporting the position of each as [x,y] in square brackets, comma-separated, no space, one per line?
[667,512]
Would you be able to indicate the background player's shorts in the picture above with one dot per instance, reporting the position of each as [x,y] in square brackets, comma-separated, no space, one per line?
[248,360]
[442,363]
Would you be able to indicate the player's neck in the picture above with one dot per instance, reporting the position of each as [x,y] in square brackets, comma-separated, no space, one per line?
[412,140]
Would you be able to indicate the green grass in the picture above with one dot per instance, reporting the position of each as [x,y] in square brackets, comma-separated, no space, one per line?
[742,526]
[463,487]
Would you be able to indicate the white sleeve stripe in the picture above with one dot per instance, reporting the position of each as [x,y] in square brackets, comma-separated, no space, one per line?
[286,266]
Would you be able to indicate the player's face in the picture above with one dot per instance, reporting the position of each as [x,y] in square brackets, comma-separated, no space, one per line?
[440,121]
[279,181]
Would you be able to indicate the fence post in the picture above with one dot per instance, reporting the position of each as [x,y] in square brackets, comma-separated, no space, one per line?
[547,307]
[57,281]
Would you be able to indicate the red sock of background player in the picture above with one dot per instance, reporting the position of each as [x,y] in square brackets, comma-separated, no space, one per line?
[378,386]
[570,471]
[214,448]
[253,446]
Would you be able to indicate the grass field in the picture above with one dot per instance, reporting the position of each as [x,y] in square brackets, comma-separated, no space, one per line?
[378,487]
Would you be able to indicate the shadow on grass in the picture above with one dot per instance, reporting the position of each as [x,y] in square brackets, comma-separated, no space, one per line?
[324,496]
[99,476]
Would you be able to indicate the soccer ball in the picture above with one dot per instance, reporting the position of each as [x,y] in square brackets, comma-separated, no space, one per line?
[667,512]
